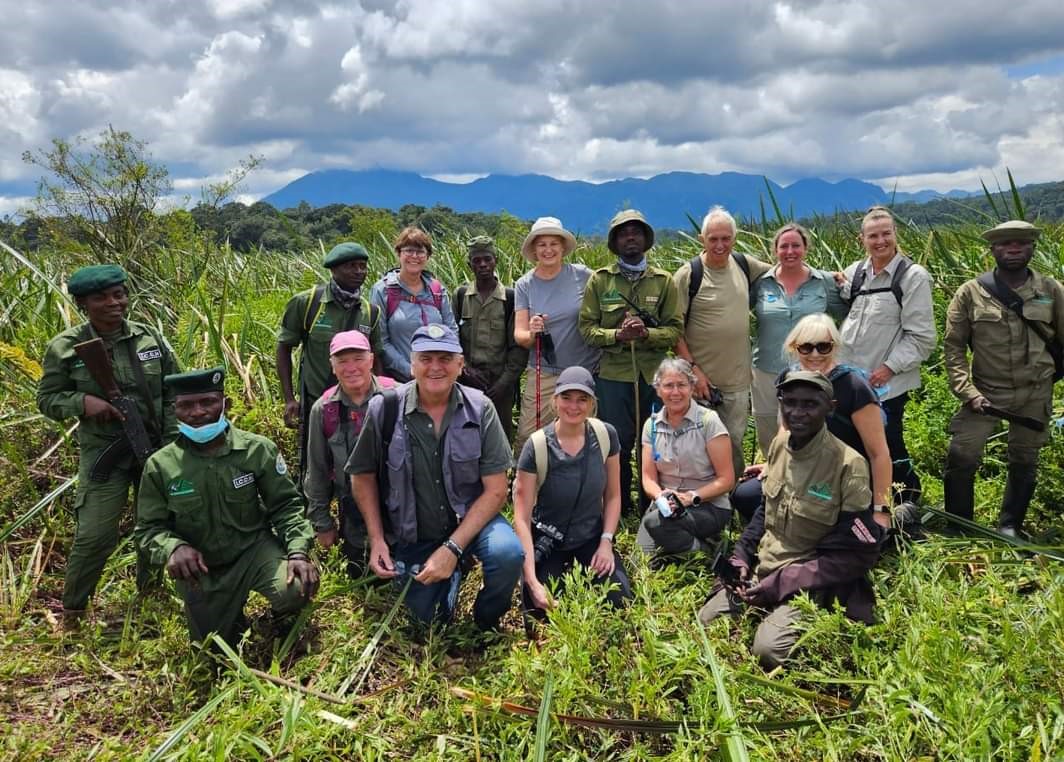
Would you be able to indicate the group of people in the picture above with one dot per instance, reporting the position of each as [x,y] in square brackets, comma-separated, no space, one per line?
[406,406]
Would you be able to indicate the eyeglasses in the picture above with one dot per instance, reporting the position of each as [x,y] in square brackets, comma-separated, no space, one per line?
[821,347]
[414,252]
[672,386]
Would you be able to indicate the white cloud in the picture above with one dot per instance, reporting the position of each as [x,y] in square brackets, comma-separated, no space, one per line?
[579,89]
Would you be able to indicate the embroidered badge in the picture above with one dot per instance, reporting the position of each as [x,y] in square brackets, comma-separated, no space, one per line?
[650,300]
[150,354]
[217,377]
[179,487]
[364,329]
[821,490]
[323,322]
[612,296]
[243,480]
[434,331]
[770,297]
[280,465]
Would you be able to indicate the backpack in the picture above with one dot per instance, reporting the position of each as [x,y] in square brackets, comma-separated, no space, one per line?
[330,413]
[315,306]
[698,271]
[539,446]
[395,296]
[895,281]
[459,301]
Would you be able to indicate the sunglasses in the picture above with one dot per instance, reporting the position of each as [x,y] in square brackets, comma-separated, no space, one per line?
[821,347]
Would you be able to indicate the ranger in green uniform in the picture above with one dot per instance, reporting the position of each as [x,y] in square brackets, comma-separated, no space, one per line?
[1011,370]
[140,358]
[311,318]
[631,311]
[484,310]
[218,509]
[814,530]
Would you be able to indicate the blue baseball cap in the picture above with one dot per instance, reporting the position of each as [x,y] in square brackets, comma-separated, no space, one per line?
[435,338]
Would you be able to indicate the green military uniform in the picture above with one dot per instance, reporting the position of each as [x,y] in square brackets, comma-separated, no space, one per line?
[237,506]
[487,335]
[61,395]
[805,493]
[625,364]
[315,373]
[1011,367]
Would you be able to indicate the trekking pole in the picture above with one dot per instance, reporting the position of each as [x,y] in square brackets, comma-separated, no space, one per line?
[638,434]
[539,376]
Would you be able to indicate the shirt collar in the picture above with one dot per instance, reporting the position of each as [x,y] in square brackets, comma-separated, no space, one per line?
[413,404]
[813,448]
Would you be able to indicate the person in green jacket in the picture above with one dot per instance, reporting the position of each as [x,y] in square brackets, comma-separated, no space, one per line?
[630,310]
[311,318]
[140,358]
[218,509]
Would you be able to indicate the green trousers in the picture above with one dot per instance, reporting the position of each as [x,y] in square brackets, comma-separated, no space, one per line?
[98,511]
[215,601]
[776,634]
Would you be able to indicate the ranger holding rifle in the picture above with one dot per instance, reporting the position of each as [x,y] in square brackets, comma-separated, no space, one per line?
[632,311]
[108,372]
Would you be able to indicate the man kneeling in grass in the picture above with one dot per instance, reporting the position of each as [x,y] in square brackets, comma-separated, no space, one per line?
[813,532]
[218,509]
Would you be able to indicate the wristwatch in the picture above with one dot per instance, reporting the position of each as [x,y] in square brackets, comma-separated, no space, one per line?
[881,509]
[695,499]
[607,536]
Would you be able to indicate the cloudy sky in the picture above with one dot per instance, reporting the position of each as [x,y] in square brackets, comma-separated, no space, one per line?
[917,93]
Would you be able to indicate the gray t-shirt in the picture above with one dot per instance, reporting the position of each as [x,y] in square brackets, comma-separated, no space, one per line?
[559,298]
[556,503]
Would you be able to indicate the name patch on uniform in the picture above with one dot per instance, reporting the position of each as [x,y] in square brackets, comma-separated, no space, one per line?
[150,354]
[243,480]
[821,490]
[650,300]
[179,487]
[365,329]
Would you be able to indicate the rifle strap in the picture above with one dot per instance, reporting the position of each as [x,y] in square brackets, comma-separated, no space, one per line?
[994,286]
[154,431]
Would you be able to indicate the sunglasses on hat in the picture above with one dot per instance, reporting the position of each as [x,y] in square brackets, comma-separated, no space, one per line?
[821,347]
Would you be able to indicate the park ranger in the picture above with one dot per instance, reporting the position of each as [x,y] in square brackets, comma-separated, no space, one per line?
[107,469]
[311,318]
[813,531]
[484,310]
[218,509]
[1005,317]
[630,310]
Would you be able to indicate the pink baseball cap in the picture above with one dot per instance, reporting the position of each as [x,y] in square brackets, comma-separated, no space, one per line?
[348,340]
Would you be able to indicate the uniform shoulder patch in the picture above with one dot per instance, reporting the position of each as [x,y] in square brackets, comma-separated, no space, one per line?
[280,465]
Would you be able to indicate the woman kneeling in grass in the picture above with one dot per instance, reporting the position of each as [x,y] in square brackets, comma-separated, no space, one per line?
[567,496]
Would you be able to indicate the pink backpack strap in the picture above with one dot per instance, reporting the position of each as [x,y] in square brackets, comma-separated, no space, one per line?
[330,412]
[386,382]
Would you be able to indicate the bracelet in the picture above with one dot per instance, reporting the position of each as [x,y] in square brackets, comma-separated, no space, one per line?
[607,536]
[454,547]
[298,554]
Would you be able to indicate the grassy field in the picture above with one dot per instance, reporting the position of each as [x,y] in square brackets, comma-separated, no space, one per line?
[965,662]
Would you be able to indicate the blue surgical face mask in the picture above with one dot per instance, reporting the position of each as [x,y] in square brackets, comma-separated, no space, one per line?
[207,432]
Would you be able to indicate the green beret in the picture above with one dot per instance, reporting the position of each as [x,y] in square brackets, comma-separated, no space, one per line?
[345,252]
[1013,230]
[483,243]
[197,381]
[89,280]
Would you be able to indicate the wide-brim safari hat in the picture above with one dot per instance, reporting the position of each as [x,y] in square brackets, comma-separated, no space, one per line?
[1013,230]
[547,226]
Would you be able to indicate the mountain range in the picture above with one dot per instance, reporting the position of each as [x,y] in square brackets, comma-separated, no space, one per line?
[585,207]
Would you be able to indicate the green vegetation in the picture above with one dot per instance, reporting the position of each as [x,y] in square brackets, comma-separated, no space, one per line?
[965,662]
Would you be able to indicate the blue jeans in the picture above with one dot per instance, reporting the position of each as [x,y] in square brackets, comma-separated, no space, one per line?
[501,556]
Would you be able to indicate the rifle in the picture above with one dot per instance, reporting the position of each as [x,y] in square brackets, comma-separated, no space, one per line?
[94,354]
[648,320]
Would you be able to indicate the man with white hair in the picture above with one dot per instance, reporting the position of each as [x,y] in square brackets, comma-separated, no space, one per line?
[714,292]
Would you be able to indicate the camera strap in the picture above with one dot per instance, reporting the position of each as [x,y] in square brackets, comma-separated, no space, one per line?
[585,456]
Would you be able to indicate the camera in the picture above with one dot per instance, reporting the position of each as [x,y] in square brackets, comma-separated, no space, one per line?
[669,506]
[549,535]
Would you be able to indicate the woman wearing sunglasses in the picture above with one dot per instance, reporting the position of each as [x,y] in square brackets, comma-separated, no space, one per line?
[780,298]
[857,419]
[686,468]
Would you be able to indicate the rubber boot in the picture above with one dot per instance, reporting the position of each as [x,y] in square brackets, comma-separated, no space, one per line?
[1019,489]
[958,487]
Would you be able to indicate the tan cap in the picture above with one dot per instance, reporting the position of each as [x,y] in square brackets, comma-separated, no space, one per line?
[1013,230]
[806,377]
[626,216]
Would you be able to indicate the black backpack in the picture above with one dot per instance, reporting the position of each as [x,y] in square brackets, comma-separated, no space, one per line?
[860,276]
[698,271]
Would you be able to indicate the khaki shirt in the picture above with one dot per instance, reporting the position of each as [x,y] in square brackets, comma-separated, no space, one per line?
[805,492]
[1006,354]
[680,454]
[65,382]
[879,331]
[487,335]
[315,373]
[221,503]
[602,312]
[718,333]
